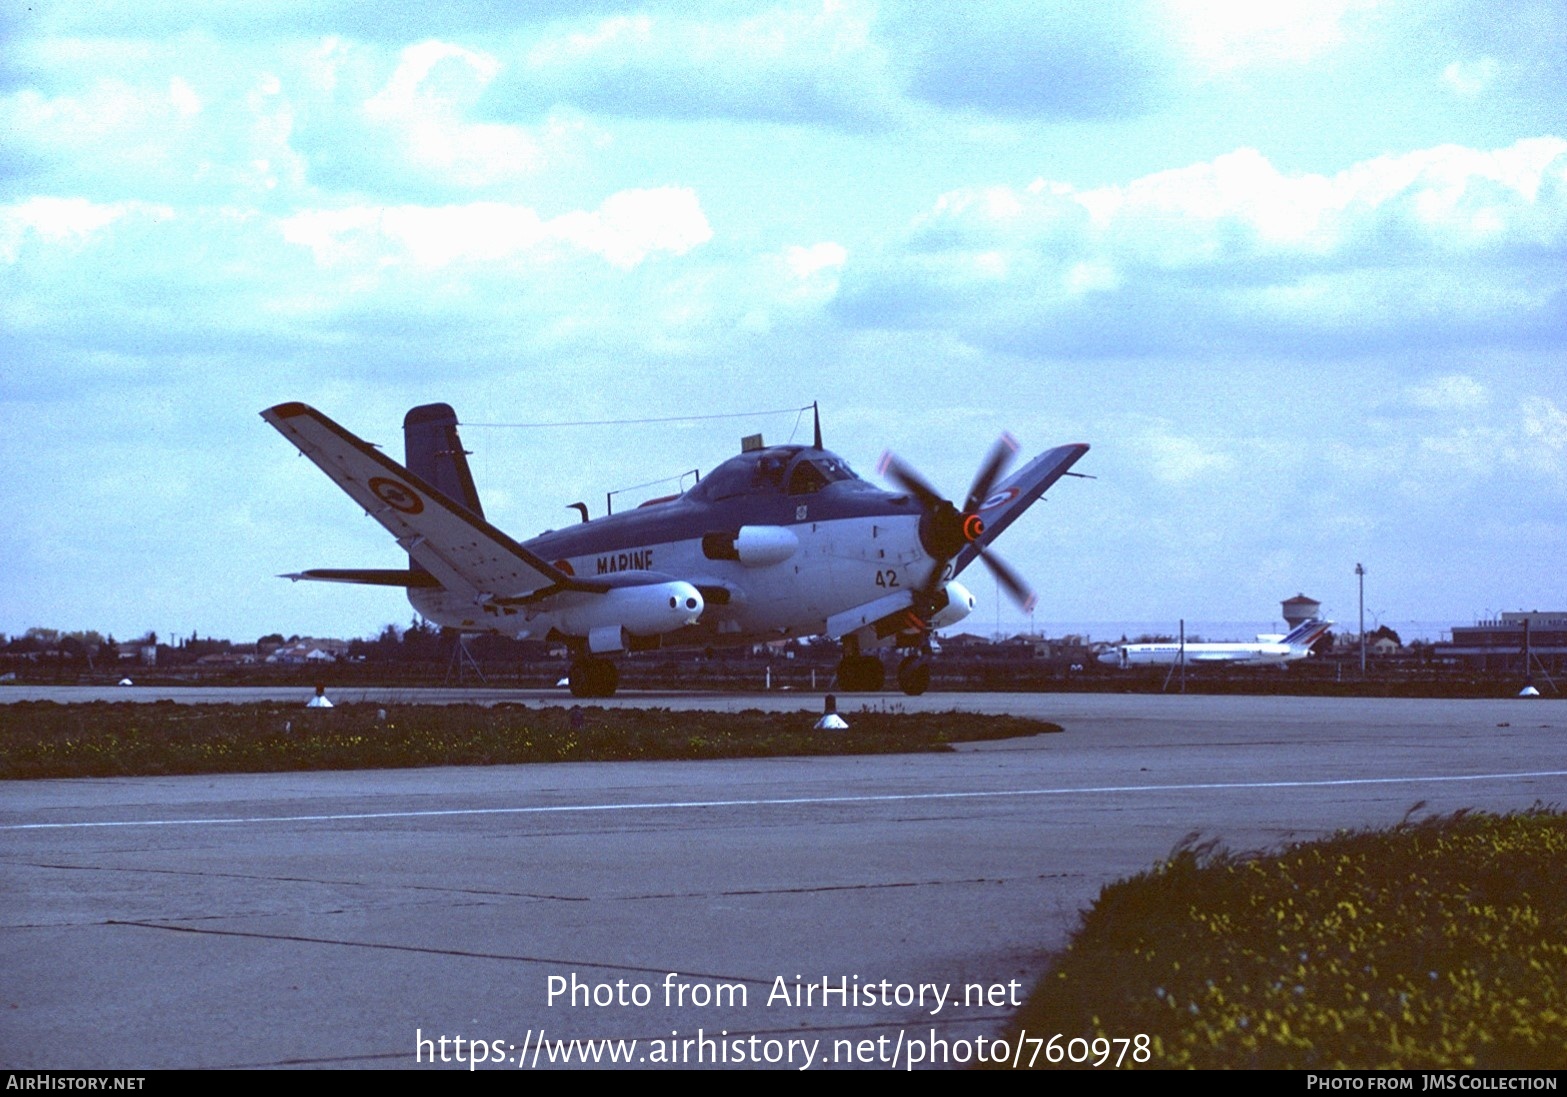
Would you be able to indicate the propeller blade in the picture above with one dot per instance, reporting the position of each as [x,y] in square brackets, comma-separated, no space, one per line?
[944,530]
[910,481]
[1019,591]
[996,462]
[932,581]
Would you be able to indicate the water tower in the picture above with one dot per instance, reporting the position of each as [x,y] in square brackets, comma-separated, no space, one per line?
[1300,609]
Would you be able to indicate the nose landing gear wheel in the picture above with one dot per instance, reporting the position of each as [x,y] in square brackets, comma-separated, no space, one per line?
[913,676]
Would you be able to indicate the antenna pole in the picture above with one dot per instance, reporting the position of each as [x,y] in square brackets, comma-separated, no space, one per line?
[1360,573]
[816,419]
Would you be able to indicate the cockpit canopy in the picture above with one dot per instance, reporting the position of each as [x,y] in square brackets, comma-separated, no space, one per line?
[777,470]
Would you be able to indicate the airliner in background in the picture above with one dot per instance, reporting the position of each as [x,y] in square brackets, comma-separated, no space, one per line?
[1268,650]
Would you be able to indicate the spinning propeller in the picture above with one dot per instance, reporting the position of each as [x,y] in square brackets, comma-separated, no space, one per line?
[945,530]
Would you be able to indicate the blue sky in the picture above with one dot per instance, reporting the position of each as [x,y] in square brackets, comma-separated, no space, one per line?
[1297,274]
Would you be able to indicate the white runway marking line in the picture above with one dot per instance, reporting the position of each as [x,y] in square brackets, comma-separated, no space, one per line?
[683,805]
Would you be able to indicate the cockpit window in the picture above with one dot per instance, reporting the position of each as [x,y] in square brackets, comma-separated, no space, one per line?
[748,474]
[814,473]
[765,473]
[729,478]
[770,472]
[834,468]
[805,479]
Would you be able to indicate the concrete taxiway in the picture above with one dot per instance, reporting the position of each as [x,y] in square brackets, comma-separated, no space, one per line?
[337,919]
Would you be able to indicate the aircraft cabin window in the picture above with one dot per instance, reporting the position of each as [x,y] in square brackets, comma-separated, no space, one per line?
[835,469]
[805,479]
[784,469]
[748,474]
[814,473]
[770,472]
[730,478]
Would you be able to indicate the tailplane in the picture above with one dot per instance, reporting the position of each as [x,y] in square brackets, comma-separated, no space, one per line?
[435,454]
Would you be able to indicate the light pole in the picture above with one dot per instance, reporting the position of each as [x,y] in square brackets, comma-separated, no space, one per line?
[1360,573]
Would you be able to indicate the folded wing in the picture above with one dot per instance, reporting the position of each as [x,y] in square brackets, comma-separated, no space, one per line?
[462,551]
[1010,498]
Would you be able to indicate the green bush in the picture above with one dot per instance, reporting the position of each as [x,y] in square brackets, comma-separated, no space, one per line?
[1437,944]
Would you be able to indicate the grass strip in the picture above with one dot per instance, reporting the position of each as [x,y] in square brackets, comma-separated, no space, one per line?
[115,739]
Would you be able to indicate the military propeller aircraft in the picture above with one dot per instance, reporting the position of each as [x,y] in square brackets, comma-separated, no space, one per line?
[777,542]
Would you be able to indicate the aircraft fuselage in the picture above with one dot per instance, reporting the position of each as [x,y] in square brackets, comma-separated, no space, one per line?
[1267,651]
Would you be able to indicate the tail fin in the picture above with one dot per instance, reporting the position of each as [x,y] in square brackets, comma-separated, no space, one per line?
[435,454]
[1308,632]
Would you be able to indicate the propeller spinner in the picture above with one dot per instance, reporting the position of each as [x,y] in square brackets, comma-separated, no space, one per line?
[945,530]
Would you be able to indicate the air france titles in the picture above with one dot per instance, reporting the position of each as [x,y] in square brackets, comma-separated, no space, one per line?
[635,560]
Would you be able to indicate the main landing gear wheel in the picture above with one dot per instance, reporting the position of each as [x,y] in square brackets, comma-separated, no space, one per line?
[914,676]
[593,678]
[861,674]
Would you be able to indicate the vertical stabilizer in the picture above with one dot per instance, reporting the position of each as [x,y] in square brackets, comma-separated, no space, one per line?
[1307,633]
[435,454]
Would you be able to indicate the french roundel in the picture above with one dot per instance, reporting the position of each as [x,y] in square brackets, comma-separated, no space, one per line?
[1000,498]
[397,495]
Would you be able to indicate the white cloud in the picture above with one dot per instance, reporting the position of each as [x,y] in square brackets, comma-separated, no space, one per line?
[1469,441]
[101,294]
[634,224]
[424,80]
[105,114]
[212,133]
[1453,198]
[1447,237]
[186,102]
[625,230]
[794,61]
[205,122]
[423,105]
[782,286]
[54,221]
[1471,78]
[1176,459]
[1453,392]
[1543,426]
[805,262]
[1231,34]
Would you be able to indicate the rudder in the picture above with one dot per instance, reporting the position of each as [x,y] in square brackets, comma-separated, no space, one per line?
[434,453]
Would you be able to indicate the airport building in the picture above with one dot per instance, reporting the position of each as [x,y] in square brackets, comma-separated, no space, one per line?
[1499,644]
